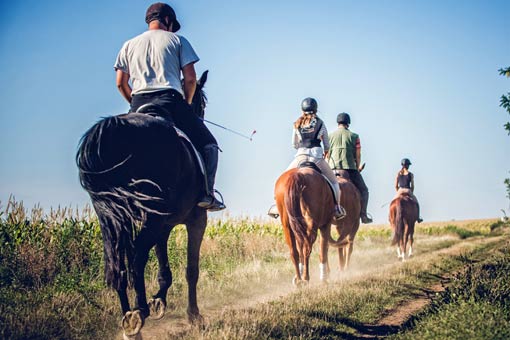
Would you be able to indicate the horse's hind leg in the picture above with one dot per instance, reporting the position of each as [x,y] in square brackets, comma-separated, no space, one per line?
[196,228]
[157,304]
[146,239]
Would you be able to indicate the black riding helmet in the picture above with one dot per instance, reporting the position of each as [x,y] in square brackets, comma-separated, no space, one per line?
[343,118]
[158,11]
[405,162]
[309,105]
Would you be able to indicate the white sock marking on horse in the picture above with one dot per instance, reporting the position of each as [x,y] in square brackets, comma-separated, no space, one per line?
[323,267]
[301,269]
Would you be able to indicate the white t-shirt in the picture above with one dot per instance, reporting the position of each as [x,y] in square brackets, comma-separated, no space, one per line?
[154,60]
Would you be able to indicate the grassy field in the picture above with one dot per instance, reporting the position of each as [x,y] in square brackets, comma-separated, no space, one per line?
[51,281]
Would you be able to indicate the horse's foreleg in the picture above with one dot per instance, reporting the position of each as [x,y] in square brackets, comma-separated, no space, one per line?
[157,304]
[348,252]
[196,229]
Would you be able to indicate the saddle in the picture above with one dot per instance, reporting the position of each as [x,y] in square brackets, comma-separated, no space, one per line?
[308,164]
[157,110]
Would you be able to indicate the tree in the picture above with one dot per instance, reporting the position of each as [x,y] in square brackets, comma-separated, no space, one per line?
[505,100]
[505,103]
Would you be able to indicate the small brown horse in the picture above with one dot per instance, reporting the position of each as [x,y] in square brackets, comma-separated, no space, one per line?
[348,226]
[305,202]
[403,216]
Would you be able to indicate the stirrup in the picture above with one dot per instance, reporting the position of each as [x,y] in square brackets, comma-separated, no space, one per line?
[340,210]
[213,204]
[273,211]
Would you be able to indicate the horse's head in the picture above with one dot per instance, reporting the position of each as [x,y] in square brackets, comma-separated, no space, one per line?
[199,101]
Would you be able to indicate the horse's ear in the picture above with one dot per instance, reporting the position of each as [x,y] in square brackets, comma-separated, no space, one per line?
[203,78]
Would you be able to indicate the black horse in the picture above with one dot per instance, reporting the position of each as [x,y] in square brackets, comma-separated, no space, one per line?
[143,179]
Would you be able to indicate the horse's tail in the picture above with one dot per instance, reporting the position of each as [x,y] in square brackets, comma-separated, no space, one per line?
[292,201]
[120,198]
[398,221]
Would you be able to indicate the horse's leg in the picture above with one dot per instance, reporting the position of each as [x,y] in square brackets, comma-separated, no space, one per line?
[157,304]
[348,252]
[122,290]
[406,237]
[411,240]
[196,227]
[290,239]
[323,254]
[146,239]
[306,251]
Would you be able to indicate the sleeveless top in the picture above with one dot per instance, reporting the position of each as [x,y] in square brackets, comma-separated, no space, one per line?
[310,134]
[404,181]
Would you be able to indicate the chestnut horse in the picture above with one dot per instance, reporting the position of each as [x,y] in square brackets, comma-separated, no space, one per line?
[143,179]
[348,226]
[305,202]
[403,216]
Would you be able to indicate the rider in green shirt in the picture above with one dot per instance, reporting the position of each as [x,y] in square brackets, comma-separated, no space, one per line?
[345,154]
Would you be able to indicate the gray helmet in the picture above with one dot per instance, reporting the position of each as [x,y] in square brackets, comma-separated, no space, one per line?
[309,105]
[343,118]
[405,162]
[158,11]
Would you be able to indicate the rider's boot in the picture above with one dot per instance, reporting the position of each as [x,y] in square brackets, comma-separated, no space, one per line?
[208,201]
[365,219]
[364,203]
[419,217]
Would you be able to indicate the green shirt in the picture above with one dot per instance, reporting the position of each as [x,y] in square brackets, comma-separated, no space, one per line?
[342,152]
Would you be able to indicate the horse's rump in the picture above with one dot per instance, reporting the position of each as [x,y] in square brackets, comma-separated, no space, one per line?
[403,210]
[127,164]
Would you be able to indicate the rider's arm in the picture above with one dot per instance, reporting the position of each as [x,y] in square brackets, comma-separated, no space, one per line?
[190,82]
[123,85]
[323,135]
[412,182]
[396,182]
[358,154]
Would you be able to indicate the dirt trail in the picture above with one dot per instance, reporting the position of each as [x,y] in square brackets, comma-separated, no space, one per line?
[366,262]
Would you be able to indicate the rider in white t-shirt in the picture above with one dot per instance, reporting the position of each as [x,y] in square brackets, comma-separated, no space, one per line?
[153,62]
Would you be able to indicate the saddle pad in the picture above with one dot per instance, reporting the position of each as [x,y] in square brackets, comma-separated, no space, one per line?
[182,135]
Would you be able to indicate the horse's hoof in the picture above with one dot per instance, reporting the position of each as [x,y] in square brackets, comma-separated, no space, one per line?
[157,308]
[132,323]
[195,318]
[295,281]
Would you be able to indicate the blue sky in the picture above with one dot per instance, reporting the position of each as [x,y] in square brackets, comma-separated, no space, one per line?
[419,78]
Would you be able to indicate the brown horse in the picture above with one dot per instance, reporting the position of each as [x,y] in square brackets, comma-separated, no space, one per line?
[348,226]
[403,216]
[305,202]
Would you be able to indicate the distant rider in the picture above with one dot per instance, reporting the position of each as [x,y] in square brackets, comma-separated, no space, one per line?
[153,62]
[345,154]
[404,183]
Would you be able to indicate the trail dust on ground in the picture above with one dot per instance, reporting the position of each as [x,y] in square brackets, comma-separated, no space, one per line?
[369,259]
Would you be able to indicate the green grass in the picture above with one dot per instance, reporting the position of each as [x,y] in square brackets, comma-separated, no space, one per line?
[475,306]
[52,286]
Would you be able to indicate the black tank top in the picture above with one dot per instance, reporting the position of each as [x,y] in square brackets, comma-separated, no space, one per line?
[310,134]
[404,181]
